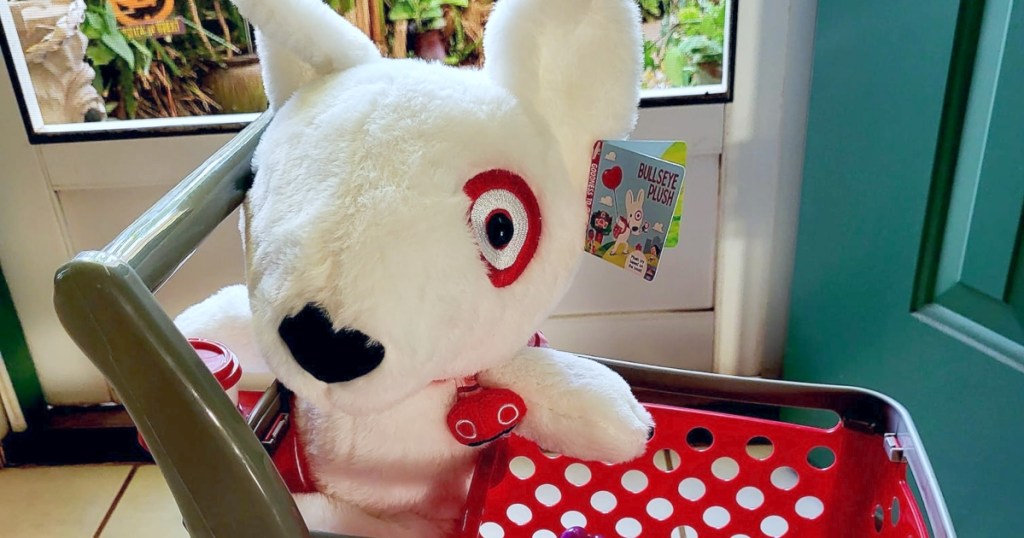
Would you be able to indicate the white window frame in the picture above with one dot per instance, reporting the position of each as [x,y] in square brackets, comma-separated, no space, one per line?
[762,157]
[39,132]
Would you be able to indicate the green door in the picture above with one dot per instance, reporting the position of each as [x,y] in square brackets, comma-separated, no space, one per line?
[909,274]
[14,352]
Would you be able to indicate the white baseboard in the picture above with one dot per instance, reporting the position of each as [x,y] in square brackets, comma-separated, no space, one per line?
[674,339]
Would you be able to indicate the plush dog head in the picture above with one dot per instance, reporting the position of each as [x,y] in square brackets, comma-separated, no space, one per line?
[412,222]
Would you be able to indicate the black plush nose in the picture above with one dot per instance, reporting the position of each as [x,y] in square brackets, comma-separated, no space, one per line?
[328,355]
[636,228]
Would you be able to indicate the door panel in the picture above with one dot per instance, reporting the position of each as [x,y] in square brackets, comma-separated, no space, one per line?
[677,340]
[16,368]
[906,273]
[979,190]
[685,278]
[687,283]
[76,196]
[122,163]
[76,170]
[990,158]
[101,187]
[95,216]
[32,247]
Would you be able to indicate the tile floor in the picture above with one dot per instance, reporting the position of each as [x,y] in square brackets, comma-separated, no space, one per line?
[115,501]
[104,501]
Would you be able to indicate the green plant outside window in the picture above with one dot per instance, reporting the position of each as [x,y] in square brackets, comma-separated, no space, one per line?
[689,45]
[211,67]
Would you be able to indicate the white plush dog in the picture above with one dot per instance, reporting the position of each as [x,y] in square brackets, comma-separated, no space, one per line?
[411,224]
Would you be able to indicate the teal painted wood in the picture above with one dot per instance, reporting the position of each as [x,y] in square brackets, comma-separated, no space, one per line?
[991,162]
[1015,287]
[977,257]
[984,310]
[882,129]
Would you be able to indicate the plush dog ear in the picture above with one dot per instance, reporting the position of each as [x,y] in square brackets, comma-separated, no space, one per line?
[300,40]
[577,62]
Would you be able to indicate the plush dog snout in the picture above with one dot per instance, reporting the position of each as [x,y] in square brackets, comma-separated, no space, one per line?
[636,229]
[328,355]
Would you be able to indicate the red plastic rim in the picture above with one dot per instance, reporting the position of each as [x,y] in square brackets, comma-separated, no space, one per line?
[705,475]
[223,364]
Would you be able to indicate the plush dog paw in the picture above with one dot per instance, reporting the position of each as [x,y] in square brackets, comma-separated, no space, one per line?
[577,407]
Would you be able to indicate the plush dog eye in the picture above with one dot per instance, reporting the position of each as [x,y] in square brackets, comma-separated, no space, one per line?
[500,229]
[505,218]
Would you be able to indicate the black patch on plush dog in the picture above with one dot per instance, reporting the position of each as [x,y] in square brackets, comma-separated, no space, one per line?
[328,355]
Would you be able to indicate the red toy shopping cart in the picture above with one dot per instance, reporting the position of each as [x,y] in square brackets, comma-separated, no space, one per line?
[708,473]
[713,474]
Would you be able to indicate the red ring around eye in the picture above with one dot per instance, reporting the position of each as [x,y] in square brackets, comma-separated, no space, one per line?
[501,191]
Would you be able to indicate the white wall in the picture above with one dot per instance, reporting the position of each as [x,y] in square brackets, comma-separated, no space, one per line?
[38,232]
[65,198]
[722,306]
[32,247]
[764,140]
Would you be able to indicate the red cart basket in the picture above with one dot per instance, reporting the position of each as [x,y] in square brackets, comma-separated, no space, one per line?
[707,473]
[712,474]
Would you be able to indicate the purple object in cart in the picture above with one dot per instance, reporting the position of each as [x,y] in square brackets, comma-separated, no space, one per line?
[578,532]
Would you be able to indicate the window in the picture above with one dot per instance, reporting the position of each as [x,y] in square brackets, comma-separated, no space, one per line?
[95,68]
[688,47]
[87,69]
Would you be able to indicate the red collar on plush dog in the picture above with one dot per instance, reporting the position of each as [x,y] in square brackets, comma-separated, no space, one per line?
[480,415]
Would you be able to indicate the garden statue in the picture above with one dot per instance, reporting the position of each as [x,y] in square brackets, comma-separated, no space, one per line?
[55,52]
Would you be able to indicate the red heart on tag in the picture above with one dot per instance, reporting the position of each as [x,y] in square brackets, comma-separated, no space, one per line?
[612,177]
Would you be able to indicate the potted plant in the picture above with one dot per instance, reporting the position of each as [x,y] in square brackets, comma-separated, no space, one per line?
[235,80]
[464,32]
[426,20]
[172,76]
[237,85]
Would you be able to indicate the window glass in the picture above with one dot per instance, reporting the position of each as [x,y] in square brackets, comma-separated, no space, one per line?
[686,48]
[119,66]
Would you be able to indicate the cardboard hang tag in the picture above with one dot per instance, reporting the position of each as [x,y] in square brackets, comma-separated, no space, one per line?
[635,203]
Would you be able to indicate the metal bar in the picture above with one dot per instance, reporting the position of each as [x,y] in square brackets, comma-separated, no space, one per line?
[164,237]
[883,414]
[222,479]
[852,405]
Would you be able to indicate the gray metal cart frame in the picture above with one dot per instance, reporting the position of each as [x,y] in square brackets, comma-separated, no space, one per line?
[220,475]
